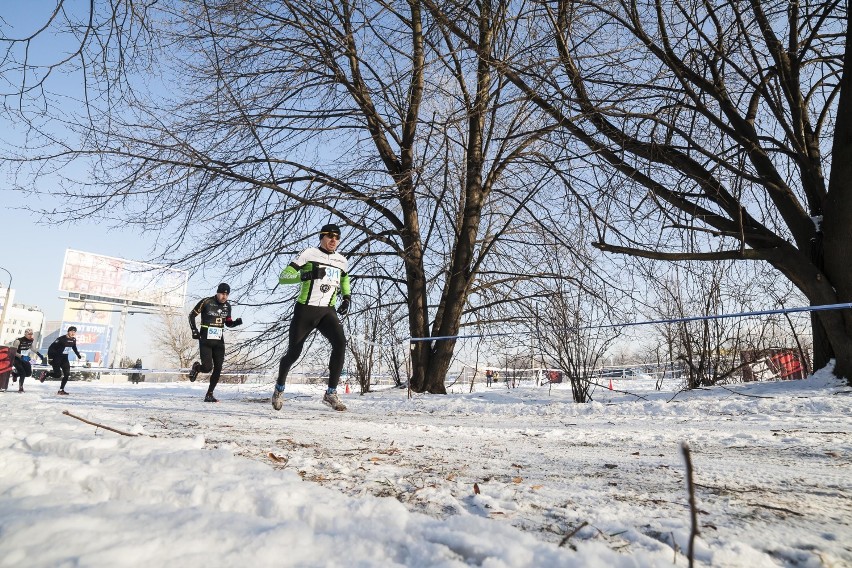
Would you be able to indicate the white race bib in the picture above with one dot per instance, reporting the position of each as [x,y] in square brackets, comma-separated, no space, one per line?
[66,351]
[332,275]
[214,333]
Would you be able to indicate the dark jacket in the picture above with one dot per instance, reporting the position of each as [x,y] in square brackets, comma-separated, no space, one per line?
[62,346]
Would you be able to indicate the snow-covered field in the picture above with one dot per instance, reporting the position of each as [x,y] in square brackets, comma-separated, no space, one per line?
[499,477]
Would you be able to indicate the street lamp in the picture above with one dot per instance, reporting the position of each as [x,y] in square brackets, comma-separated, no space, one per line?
[6,301]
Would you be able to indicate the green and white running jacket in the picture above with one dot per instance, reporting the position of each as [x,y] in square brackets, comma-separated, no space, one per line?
[322,292]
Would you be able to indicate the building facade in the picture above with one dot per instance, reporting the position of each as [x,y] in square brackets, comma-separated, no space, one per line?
[18,318]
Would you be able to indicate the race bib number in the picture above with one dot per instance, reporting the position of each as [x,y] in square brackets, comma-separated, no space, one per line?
[67,351]
[214,333]
[25,358]
[332,275]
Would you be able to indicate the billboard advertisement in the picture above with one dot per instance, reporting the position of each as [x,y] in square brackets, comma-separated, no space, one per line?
[108,279]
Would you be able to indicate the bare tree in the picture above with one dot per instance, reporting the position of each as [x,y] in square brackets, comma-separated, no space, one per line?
[294,113]
[712,349]
[576,321]
[395,348]
[100,42]
[708,348]
[567,341]
[364,332]
[716,121]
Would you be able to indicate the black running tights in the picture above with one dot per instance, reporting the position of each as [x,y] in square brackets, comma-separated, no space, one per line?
[23,369]
[305,320]
[61,368]
[212,357]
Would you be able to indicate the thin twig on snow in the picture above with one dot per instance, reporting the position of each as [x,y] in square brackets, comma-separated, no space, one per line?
[99,425]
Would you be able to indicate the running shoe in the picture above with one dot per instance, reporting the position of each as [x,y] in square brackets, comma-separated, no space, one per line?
[193,372]
[331,399]
[277,399]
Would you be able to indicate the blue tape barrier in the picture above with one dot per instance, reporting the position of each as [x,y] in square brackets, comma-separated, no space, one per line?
[822,308]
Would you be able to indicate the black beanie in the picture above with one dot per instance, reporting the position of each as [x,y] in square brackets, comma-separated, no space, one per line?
[223,289]
[330,228]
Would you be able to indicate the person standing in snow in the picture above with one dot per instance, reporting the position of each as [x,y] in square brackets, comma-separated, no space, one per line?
[137,377]
[322,273]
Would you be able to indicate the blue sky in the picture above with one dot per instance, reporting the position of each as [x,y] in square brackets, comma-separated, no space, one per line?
[36,242]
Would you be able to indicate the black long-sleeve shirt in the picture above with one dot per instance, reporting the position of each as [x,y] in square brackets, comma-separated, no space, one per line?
[62,346]
[213,316]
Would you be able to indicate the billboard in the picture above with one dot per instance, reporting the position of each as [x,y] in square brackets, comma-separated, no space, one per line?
[102,278]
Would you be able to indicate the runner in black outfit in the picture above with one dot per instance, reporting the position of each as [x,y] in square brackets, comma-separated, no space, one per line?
[322,273]
[57,355]
[215,313]
[23,368]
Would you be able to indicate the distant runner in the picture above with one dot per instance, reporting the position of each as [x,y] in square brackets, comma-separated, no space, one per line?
[322,273]
[23,368]
[215,313]
[57,355]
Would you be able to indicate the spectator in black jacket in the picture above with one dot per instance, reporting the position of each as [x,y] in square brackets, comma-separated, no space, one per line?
[137,377]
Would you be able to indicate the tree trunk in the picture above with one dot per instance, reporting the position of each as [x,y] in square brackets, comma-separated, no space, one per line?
[837,230]
[823,352]
[434,361]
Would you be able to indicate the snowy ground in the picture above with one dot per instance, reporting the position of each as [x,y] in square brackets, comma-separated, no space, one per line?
[394,481]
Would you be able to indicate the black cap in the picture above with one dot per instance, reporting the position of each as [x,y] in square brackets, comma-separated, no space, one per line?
[72,328]
[330,228]
[223,289]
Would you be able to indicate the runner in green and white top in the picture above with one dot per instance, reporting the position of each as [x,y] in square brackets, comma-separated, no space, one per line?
[323,275]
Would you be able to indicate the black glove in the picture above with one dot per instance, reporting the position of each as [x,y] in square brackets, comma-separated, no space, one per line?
[343,307]
[238,321]
[195,334]
[316,273]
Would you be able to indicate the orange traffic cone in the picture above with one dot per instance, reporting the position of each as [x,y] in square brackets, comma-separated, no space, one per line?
[610,384]
[347,388]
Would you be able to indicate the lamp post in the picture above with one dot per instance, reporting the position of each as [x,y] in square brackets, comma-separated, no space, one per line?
[6,301]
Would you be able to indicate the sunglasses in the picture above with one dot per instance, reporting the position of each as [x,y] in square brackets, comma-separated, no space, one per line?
[334,236]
